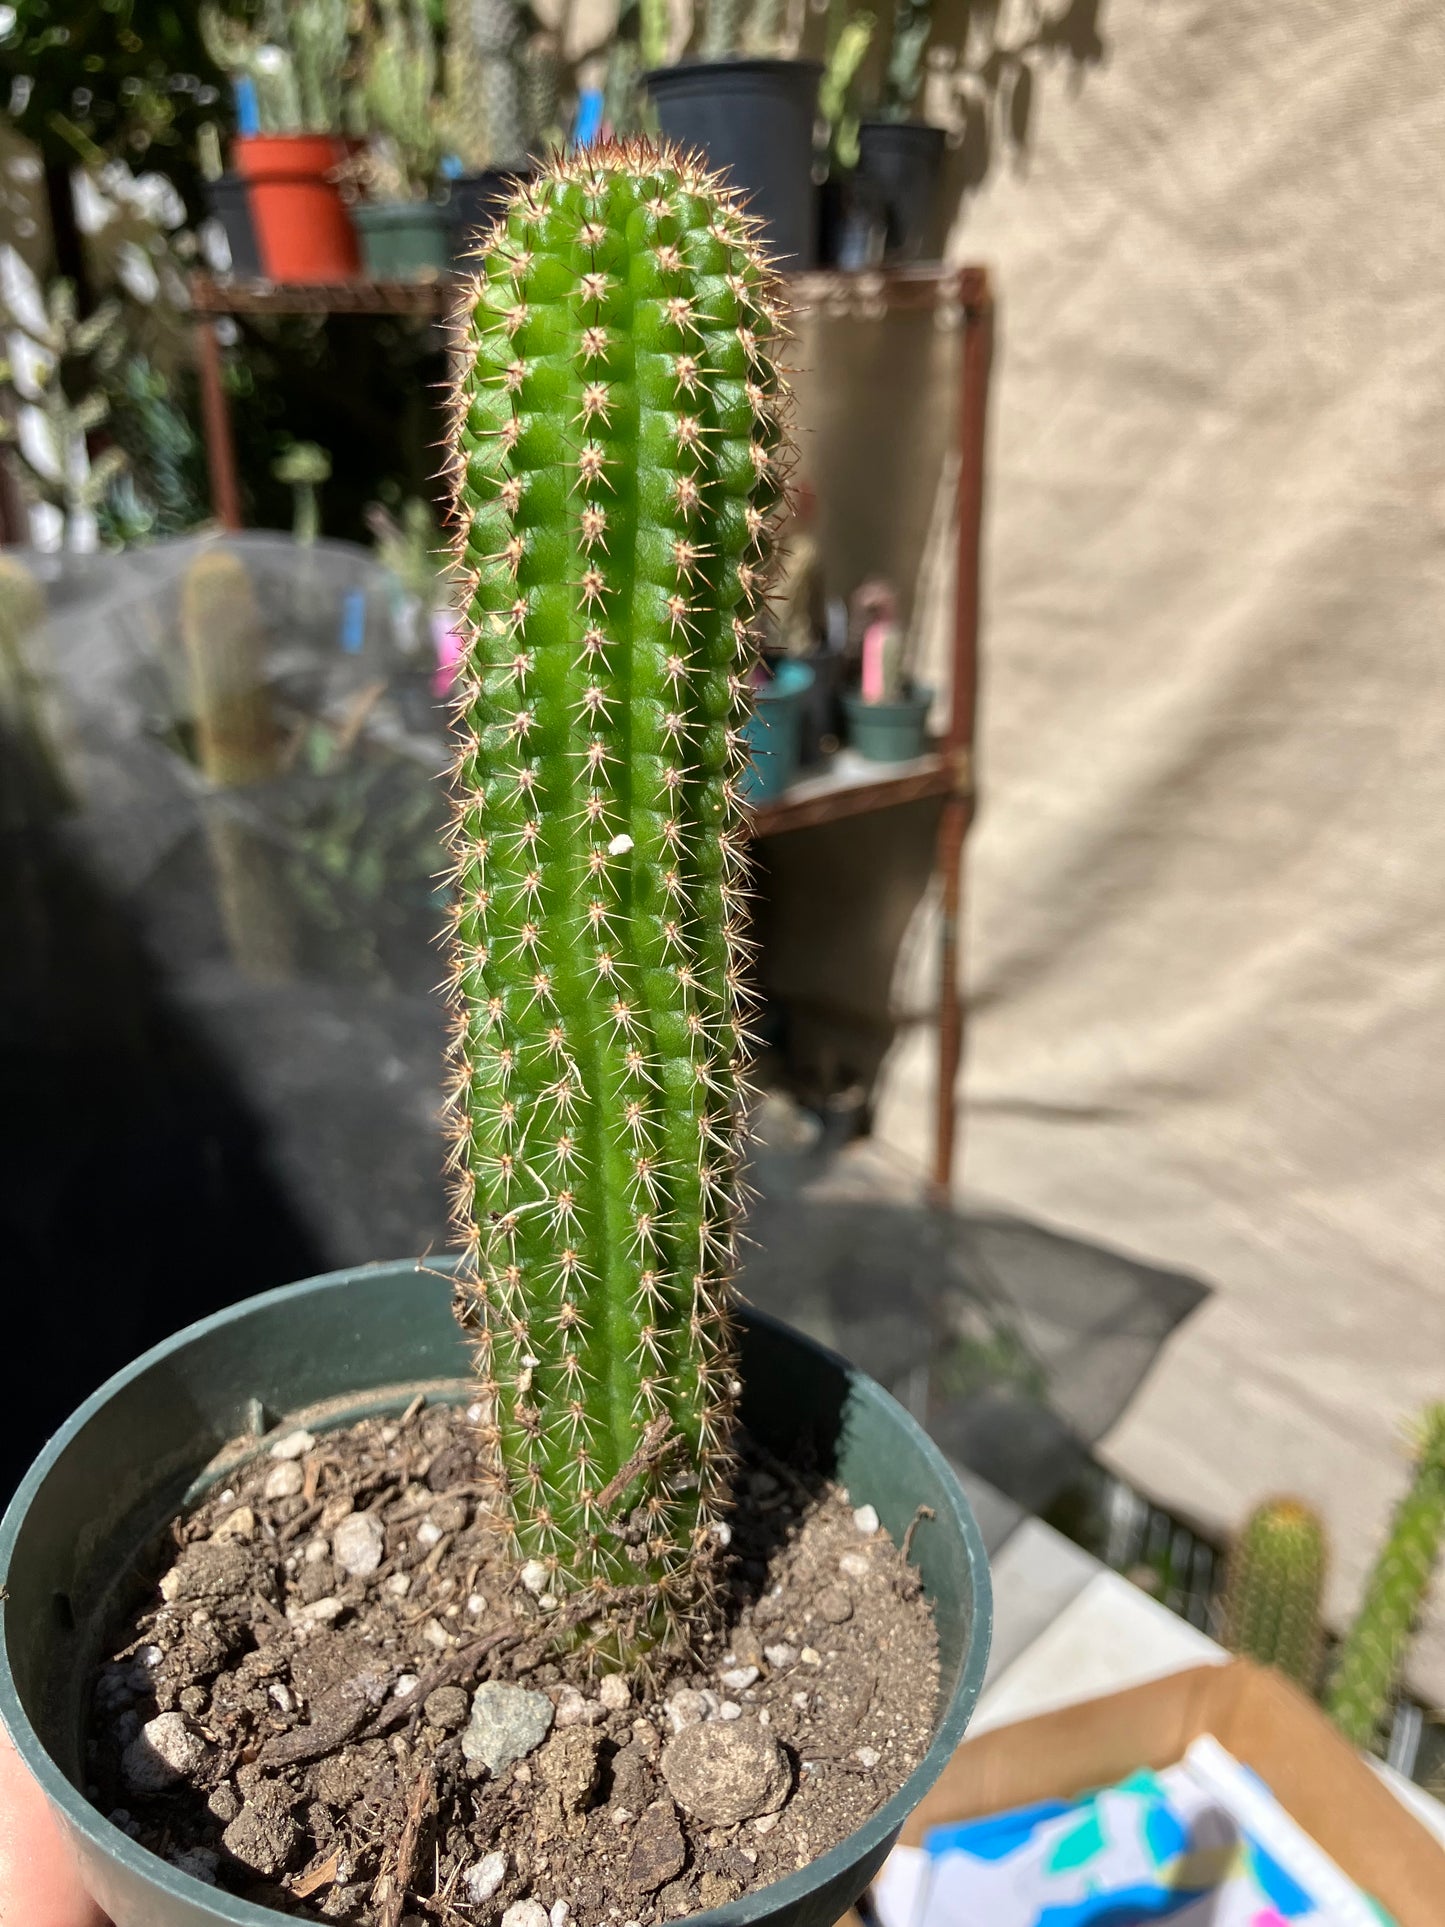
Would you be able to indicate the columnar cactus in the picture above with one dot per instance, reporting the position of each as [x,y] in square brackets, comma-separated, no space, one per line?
[1367,1666]
[1272,1599]
[619,437]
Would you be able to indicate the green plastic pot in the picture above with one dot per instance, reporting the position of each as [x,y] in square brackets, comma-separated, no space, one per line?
[402,240]
[888,732]
[327,1352]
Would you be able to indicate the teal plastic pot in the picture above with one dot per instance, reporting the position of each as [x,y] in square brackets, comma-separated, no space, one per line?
[775,732]
[336,1349]
[402,240]
[888,732]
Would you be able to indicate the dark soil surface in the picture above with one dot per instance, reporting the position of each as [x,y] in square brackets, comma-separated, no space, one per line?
[341,1705]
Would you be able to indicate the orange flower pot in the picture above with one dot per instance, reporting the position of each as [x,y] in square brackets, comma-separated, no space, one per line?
[302,228]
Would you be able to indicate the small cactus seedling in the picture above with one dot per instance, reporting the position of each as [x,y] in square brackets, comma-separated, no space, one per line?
[619,436]
[1272,1598]
[236,740]
[1367,1666]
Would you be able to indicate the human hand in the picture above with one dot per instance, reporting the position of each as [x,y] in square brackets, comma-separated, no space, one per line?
[39,1881]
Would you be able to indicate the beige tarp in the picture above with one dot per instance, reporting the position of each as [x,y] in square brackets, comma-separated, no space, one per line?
[1205,951]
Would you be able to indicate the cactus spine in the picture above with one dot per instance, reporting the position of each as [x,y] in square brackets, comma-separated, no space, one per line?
[1272,1598]
[1367,1665]
[619,437]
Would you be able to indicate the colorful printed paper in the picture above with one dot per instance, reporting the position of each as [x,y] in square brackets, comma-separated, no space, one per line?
[1202,1844]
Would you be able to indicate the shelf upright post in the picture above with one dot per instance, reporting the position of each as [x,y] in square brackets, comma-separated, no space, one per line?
[976,301]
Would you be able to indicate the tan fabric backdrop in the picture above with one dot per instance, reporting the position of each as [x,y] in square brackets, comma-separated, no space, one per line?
[1205,957]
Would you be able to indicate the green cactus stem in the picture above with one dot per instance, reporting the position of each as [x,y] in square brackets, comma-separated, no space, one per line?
[1367,1666]
[236,743]
[619,438]
[722,32]
[304,468]
[1272,1597]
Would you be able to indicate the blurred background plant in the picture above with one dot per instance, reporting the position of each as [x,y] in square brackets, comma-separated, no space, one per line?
[401,111]
[294,55]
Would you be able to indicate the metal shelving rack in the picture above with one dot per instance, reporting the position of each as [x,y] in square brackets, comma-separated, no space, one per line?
[961,295]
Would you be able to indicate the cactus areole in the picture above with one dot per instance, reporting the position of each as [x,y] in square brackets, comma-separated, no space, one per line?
[619,440]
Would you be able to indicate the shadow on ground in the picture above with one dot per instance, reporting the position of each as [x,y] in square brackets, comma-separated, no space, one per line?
[1018,1347]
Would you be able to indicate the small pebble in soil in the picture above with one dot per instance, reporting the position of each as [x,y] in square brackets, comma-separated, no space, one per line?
[780,1657]
[447,1708]
[854,1565]
[525,1913]
[868,1756]
[534,1577]
[240,1524]
[690,1706]
[659,1852]
[723,1774]
[199,1862]
[865,1520]
[561,1913]
[163,1750]
[834,1605]
[357,1544]
[292,1445]
[507,1723]
[614,1693]
[283,1481]
[738,1679]
[483,1880]
[573,1708]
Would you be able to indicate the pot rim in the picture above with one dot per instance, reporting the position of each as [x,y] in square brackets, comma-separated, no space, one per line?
[107,1839]
[732,63]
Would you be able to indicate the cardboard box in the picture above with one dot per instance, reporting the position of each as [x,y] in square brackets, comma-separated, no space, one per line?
[1262,1719]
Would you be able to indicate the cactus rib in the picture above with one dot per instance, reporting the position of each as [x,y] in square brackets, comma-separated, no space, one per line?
[620,430]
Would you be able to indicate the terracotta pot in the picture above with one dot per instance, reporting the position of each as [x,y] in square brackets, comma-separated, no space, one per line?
[302,228]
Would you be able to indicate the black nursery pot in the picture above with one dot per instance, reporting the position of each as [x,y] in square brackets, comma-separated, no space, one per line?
[474,201]
[753,119]
[899,162]
[326,1353]
[227,199]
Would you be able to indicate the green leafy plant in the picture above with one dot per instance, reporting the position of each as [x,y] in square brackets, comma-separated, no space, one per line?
[295,56]
[620,430]
[1272,1596]
[63,401]
[1366,1668]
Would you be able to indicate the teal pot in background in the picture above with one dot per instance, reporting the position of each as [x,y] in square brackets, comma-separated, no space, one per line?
[775,732]
[402,240]
[899,164]
[888,732]
[326,1353]
[752,120]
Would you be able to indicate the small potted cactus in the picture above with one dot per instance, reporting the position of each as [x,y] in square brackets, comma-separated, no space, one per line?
[290,71]
[888,712]
[620,430]
[748,104]
[1274,1591]
[402,228]
[899,156]
[502,108]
